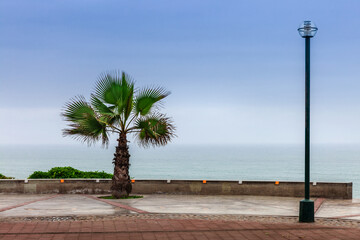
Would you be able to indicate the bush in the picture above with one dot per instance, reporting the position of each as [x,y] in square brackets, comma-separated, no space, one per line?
[68,172]
[39,174]
[5,177]
[65,172]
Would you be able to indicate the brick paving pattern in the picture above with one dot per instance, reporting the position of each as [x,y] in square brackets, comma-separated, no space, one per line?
[182,229]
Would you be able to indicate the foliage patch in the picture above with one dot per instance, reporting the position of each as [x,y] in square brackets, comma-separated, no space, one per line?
[5,177]
[68,172]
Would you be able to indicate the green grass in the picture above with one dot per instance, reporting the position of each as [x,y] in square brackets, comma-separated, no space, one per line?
[129,197]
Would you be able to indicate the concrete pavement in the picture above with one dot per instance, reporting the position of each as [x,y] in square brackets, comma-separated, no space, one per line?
[173,217]
[15,205]
[248,205]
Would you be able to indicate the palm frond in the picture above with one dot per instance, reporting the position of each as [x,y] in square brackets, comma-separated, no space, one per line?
[156,130]
[129,101]
[147,97]
[85,125]
[100,107]
[106,113]
[76,109]
[114,89]
[82,133]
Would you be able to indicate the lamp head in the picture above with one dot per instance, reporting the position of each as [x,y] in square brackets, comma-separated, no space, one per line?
[307,29]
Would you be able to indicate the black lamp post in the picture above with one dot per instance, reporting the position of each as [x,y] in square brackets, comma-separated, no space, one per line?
[307,30]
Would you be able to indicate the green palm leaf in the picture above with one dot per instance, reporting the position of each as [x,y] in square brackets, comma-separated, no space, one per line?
[76,109]
[146,99]
[129,103]
[115,90]
[101,107]
[79,132]
[155,130]
[106,113]
[85,124]
[108,88]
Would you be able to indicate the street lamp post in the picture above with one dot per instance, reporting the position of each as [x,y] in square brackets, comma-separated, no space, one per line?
[307,30]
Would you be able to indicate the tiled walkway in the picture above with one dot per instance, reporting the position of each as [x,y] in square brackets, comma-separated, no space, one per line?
[172,217]
[17,205]
[170,229]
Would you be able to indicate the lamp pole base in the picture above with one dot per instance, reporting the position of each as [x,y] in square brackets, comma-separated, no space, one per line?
[306,213]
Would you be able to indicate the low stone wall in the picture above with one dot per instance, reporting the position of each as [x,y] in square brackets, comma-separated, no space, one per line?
[257,188]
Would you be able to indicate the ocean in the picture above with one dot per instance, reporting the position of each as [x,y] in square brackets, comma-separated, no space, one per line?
[329,163]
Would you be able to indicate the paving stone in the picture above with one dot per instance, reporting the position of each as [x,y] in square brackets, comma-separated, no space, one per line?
[173,217]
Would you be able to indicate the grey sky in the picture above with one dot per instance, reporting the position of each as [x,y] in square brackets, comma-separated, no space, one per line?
[235,68]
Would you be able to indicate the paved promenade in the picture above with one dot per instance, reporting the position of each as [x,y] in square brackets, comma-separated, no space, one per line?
[176,229]
[173,217]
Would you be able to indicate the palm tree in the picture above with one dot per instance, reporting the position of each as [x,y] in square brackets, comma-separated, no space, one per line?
[117,107]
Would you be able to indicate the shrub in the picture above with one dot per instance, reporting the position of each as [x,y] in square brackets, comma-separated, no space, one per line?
[5,177]
[65,172]
[39,174]
[68,172]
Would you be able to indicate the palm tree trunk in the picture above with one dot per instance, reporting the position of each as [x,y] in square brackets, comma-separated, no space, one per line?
[121,185]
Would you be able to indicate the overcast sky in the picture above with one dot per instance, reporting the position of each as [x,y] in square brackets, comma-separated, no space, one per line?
[235,68]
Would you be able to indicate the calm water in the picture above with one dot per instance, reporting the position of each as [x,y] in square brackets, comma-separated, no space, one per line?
[331,163]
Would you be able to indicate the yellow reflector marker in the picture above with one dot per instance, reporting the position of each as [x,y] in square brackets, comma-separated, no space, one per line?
[277,183]
[204,181]
[61,180]
[132,180]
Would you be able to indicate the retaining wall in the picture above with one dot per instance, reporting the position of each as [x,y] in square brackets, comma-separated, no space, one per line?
[102,186]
